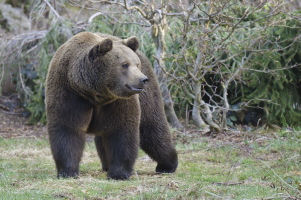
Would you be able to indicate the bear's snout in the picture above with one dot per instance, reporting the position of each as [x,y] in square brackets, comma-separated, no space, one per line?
[137,88]
[144,80]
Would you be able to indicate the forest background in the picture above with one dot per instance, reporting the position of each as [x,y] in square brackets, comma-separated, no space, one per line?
[220,63]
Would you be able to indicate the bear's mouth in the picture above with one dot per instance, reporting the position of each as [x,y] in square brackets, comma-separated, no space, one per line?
[134,88]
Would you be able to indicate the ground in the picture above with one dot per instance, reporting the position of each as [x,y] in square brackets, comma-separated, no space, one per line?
[231,165]
[14,125]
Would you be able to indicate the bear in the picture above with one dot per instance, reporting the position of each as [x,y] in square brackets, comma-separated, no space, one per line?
[103,85]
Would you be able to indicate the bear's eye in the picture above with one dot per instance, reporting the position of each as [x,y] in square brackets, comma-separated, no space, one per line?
[125,66]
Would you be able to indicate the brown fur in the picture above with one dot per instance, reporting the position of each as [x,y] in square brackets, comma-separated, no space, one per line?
[93,86]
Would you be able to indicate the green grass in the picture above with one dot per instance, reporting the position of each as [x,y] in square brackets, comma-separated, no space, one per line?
[233,166]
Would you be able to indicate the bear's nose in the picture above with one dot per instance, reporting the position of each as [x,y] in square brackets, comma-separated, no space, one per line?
[144,80]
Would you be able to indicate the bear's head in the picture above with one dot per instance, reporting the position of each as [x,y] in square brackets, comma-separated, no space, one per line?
[109,70]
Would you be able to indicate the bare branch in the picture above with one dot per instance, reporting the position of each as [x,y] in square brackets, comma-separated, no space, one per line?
[135,8]
[52,9]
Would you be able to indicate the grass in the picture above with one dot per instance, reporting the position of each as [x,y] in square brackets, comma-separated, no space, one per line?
[229,166]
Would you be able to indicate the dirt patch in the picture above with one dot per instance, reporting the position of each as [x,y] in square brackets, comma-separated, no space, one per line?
[13,124]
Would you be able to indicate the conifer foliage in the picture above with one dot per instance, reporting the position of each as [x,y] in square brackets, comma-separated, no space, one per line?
[273,81]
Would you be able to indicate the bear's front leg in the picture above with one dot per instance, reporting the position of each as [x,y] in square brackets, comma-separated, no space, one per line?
[68,117]
[67,147]
[117,153]
[117,143]
[121,151]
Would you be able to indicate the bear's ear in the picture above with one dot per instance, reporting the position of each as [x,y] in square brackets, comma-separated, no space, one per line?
[100,49]
[132,43]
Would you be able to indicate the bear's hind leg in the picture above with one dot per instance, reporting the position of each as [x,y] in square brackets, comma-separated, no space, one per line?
[157,143]
[155,137]
[67,149]
[101,152]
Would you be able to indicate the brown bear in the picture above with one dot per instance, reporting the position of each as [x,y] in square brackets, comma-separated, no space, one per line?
[96,84]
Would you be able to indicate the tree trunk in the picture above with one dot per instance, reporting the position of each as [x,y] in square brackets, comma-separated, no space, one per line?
[209,118]
[159,65]
[196,113]
[199,103]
